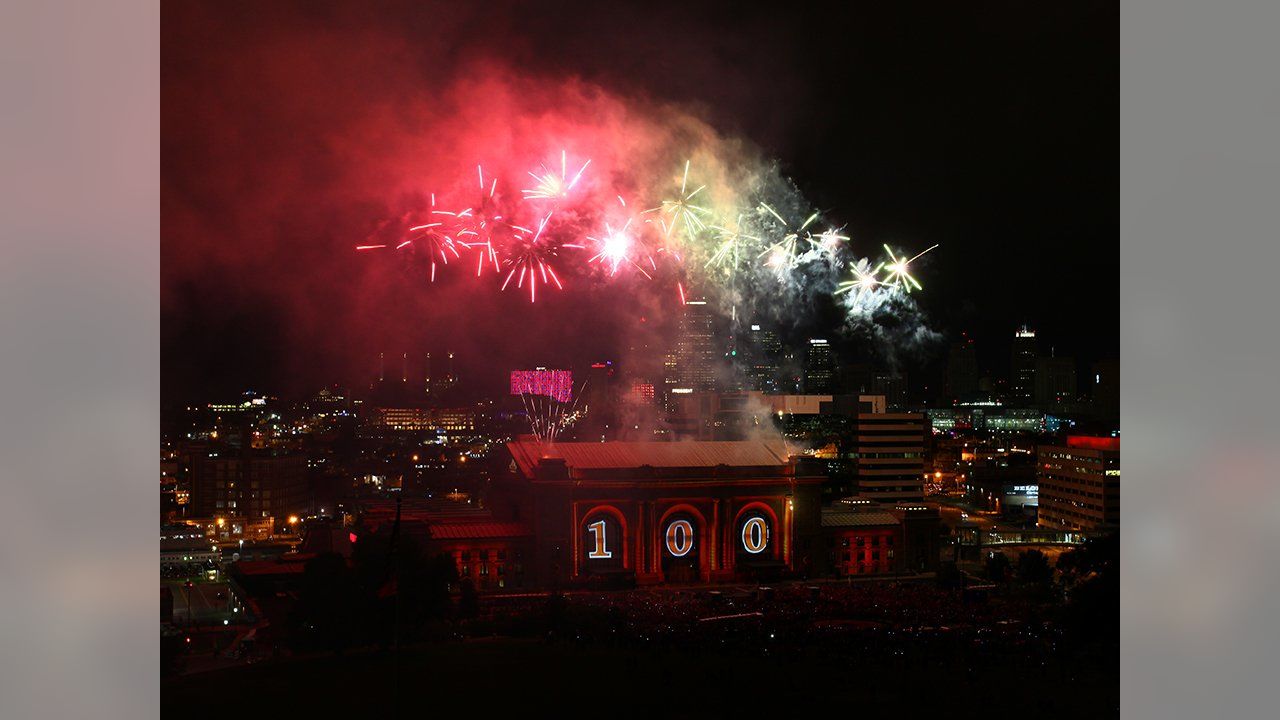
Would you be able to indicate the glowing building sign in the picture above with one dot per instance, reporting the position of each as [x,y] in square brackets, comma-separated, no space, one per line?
[555,384]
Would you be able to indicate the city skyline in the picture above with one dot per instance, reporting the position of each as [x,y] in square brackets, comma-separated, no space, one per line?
[638,333]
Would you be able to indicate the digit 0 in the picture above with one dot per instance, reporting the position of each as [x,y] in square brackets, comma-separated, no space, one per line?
[679,538]
[755,535]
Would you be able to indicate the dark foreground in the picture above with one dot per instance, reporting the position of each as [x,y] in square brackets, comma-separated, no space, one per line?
[484,677]
[866,651]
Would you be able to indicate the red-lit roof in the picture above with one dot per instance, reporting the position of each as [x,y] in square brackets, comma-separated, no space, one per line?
[687,454]
[476,531]
[865,518]
[1094,443]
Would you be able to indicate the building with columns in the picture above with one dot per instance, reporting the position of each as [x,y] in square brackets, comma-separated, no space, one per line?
[617,513]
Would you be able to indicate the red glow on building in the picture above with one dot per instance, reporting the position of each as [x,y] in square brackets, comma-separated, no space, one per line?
[1094,443]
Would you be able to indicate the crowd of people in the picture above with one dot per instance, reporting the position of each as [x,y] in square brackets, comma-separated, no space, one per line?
[887,618]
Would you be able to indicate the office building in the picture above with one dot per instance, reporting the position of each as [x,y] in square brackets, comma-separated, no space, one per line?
[1080,484]
[962,370]
[819,368]
[889,456]
[764,358]
[692,362]
[1055,382]
[248,484]
[893,386]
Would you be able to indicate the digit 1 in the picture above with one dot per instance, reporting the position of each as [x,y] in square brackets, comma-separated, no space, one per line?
[600,551]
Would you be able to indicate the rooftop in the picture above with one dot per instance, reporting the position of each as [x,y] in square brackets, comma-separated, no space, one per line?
[478,530]
[858,518]
[629,455]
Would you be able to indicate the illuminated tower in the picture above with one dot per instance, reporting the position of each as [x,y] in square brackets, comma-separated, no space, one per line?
[1022,367]
[818,375]
[764,359]
[694,353]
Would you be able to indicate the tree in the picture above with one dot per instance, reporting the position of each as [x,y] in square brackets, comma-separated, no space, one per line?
[1096,556]
[405,588]
[997,567]
[1033,568]
[327,602]
[469,600]
[1091,577]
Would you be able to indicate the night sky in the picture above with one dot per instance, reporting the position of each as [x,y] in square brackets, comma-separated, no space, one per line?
[290,130]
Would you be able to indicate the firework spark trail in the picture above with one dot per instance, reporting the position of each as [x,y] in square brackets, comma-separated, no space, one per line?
[549,186]
[865,280]
[534,260]
[828,242]
[438,245]
[548,416]
[731,240]
[621,246]
[478,222]
[898,271]
[615,247]
[782,255]
[683,210]
[767,259]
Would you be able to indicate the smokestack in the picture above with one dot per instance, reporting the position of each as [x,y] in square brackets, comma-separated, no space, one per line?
[428,374]
[404,368]
[382,367]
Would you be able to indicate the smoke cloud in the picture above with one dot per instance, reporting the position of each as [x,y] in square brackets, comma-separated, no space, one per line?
[287,150]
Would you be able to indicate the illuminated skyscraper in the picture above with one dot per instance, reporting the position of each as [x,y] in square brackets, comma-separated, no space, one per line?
[691,365]
[1022,367]
[818,367]
[764,358]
